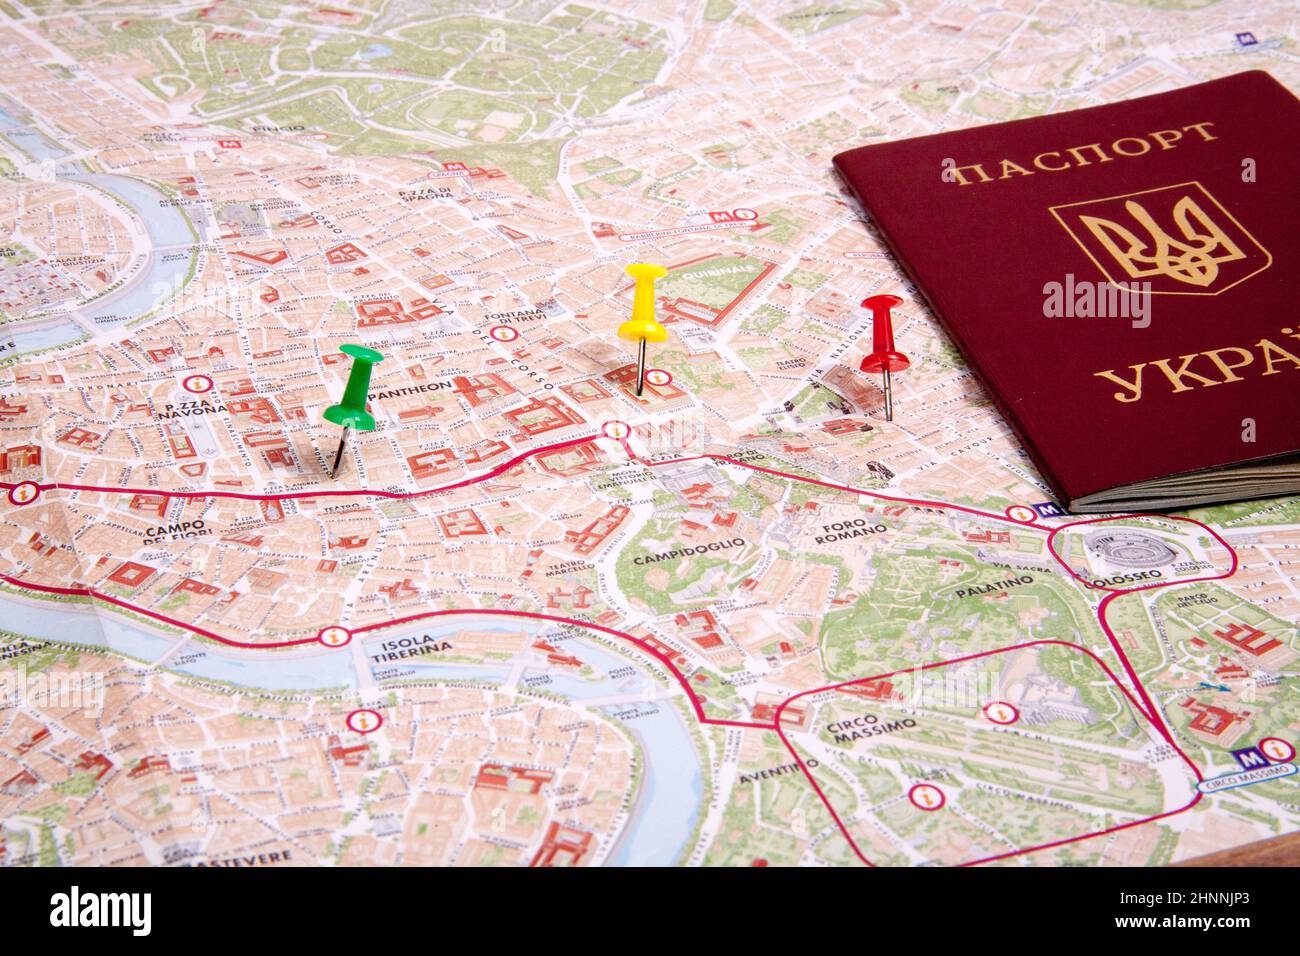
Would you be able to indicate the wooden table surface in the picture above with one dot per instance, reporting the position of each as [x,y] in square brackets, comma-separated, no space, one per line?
[1279,851]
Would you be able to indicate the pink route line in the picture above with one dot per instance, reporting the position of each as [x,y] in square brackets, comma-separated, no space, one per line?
[1150,711]
[919,502]
[324,493]
[853,845]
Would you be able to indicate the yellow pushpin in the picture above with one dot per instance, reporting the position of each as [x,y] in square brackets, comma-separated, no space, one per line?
[643,327]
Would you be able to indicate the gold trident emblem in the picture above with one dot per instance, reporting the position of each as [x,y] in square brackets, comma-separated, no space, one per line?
[1194,261]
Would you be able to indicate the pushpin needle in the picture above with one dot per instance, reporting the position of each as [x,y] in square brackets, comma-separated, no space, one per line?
[338,455]
[884,358]
[640,369]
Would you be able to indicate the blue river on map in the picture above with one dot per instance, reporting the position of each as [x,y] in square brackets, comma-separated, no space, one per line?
[170,230]
[671,793]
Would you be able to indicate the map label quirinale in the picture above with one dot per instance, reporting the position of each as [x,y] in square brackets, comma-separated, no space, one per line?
[402,647]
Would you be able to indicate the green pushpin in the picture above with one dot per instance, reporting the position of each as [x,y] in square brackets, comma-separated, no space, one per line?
[351,412]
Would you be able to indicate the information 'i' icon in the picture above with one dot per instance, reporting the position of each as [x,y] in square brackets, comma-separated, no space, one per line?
[926,796]
[24,493]
[1000,712]
[334,636]
[1276,749]
[364,721]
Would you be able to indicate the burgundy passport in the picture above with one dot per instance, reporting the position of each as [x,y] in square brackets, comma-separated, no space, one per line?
[1124,280]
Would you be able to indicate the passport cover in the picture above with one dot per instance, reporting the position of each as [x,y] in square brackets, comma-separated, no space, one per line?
[1191,195]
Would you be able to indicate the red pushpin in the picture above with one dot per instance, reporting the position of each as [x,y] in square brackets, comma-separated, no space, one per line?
[884,357]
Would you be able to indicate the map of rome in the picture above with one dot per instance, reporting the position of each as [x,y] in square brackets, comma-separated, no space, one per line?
[538,619]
